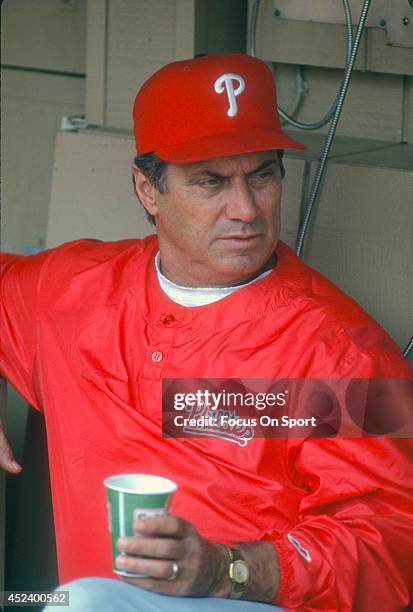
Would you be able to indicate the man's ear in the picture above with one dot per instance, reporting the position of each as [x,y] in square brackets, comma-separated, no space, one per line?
[145,190]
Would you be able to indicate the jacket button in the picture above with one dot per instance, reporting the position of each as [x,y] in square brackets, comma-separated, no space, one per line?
[169,319]
[156,356]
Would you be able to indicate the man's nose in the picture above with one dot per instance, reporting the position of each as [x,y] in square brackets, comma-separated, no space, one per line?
[241,203]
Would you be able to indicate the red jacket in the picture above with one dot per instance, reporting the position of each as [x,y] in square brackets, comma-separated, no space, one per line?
[81,326]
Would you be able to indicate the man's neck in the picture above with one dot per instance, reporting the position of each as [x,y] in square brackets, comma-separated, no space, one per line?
[202,296]
[269,265]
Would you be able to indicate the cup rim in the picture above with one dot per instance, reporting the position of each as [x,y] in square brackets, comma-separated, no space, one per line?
[169,486]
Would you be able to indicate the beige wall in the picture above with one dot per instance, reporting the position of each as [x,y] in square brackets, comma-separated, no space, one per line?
[32,107]
[361,239]
[43,59]
[44,35]
[92,194]
[129,39]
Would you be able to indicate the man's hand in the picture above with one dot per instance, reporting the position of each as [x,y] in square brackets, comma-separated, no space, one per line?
[7,460]
[161,541]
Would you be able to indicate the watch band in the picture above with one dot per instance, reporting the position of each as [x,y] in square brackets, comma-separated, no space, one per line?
[236,563]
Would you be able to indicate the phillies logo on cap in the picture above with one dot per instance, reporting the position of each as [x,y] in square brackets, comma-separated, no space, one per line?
[226,83]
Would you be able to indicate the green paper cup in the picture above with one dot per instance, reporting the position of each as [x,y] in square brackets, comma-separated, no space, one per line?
[132,497]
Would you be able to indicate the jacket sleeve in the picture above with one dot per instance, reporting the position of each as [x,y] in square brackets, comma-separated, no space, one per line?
[20,277]
[351,548]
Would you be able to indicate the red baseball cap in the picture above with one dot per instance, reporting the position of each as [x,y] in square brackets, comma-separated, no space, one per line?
[211,106]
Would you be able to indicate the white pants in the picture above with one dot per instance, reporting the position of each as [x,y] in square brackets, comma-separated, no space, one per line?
[105,595]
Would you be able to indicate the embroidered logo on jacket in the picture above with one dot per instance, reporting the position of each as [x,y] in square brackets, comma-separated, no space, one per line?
[299,547]
[240,433]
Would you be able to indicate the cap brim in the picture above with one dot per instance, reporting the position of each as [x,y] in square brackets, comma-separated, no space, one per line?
[224,145]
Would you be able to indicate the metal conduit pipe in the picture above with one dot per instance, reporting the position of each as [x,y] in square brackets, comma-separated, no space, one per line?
[408,348]
[332,130]
[252,29]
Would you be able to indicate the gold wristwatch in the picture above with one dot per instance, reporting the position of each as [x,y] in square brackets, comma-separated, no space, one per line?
[239,573]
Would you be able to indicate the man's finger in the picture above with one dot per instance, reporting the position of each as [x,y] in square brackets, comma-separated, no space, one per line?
[160,569]
[7,460]
[155,548]
[165,525]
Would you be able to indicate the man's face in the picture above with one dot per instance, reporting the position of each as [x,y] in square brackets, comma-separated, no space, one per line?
[219,220]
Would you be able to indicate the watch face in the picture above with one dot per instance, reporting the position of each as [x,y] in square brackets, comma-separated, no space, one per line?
[240,572]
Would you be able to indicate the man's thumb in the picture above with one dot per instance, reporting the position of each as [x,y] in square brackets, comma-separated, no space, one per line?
[7,460]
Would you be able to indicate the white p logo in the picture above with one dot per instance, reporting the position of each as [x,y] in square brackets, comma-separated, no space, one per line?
[225,82]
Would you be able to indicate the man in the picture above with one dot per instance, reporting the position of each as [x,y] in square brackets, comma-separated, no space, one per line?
[91,329]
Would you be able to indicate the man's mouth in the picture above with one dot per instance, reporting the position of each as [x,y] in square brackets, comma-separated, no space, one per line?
[241,237]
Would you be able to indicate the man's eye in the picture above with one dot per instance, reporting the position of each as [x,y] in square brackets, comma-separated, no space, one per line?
[265,175]
[212,182]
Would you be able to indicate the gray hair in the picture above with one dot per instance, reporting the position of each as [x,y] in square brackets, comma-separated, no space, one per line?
[154,168]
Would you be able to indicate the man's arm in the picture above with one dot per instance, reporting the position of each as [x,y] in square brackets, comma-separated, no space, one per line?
[20,276]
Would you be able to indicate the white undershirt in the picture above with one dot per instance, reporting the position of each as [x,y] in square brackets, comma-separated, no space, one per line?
[197,296]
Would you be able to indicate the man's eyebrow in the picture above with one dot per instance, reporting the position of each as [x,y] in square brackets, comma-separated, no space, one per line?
[265,164]
[214,174]
[203,172]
